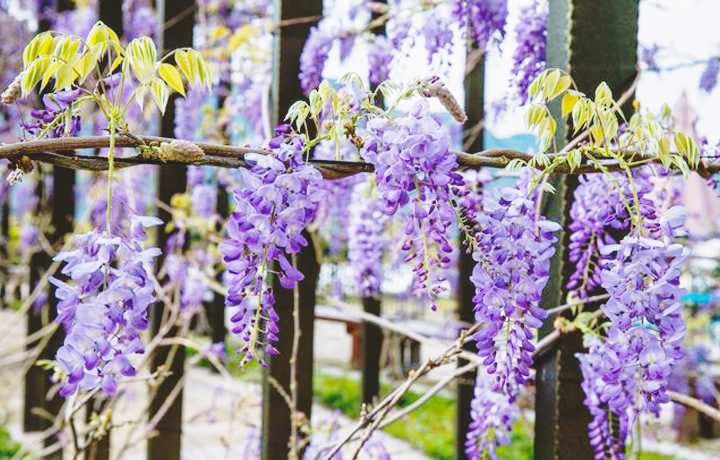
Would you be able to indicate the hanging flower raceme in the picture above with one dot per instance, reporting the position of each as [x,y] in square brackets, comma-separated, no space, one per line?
[414,166]
[485,19]
[313,57]
[512,251]
[598,212]
[367,243]
[278,199]
[528,59]
[492,416]
[628,372]
[606,443]
[103,306]
[379,59]
[512,248]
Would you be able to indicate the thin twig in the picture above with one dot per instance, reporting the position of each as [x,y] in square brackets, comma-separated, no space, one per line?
[694,403]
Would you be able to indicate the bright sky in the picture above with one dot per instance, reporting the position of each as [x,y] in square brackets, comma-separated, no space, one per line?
[685,30]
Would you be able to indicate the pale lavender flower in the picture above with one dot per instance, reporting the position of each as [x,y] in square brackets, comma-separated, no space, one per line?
[709,76]
[104,306]
[528,59]
[313,57]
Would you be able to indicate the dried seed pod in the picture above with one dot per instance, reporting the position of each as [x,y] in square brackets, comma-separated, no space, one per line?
[433,87]
[12,92]
[180,150]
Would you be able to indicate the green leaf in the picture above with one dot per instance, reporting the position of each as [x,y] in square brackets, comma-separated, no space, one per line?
[33,74]
[171,75]
[40,45]
[603,94]
[160,94]
[552,80]
[574,159]
[182,59]
[50,73]
[681,165]
[568,103]
[561,86]
[141,55]
[316,103]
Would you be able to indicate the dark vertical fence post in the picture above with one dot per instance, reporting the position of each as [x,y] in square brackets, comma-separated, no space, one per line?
[372,335]
[62,208]
[474,107]
[595,41]
[171,180]
[289,43]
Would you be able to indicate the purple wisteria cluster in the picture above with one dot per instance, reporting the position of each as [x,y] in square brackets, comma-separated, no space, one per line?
[139,19]
[512,248]
[492,416]
[278,198]
[438,37]
[598,214]
[415,167]
[333,216]
[104,306]
[601,216]
[380,56]
[52,120]
[314,55]
[627,373]
[606,437]
[367,243]
[528,59]
[709,76]
[512,251]
[483,19]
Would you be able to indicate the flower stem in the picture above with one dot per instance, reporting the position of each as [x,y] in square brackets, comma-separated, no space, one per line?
[111,168]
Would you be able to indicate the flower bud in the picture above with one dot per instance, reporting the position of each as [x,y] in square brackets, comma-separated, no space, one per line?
[180,150]
[433,87]
[12,92]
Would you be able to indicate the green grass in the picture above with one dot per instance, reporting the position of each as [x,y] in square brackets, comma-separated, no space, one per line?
[8,447]
[430,428]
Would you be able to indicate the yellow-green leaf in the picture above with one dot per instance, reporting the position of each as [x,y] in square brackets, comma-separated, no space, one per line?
[182,59]
[568,103]
[33,74]
[160,94]
[171,75]
[551,81]
[50,73]
[561,86]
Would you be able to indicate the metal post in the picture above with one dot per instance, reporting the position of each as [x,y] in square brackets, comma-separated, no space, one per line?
[475,110]
[171,180]
[372,336]
[595,41]
[289,43]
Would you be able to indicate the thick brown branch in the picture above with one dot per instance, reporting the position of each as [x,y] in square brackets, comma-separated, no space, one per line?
[54,151]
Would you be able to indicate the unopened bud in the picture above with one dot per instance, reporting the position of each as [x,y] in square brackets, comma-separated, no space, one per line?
[433,87]
[12,92]
[180,150]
